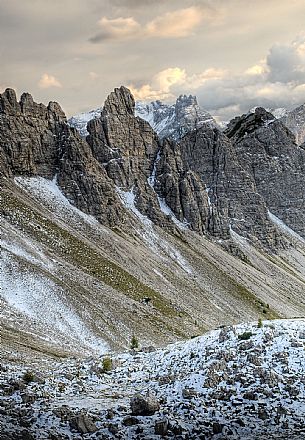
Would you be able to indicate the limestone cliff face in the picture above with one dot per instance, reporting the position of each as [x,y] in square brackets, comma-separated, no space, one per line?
[269,154]
[29,135]
[199,180]
[125,145]
[133,155]
[216,193]
[181,188]
[35,140]
[210,182]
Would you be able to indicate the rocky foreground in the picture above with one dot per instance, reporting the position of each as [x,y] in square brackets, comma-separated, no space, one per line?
[242,382]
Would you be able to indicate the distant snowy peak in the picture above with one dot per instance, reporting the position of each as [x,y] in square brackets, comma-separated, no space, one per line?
[157,114]
[168,120]
[81,120]
[276,112]
[295,121]
[174,120]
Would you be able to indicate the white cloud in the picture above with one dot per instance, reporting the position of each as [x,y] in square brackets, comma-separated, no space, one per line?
[277,81]
[174,24]
[167,78]
[257,69]
[47,81]
[164,83]
[119,28]
[195,81]
[161,85]
[147,93]
[93,76]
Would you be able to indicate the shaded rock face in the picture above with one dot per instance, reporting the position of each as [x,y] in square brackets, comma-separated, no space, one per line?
[200,180]
[224,191]
[36,140]
[133,157]
[213,182]
[181,188]
[271,157]
[125,145]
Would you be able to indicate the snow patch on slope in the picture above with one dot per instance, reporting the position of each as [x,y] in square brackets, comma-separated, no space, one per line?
[243,382]
[167,211]
[148,233]
[28,292]
[48,192]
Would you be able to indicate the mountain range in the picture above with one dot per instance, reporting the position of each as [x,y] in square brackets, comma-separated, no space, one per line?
[153,225]
[126,233]
[185,115]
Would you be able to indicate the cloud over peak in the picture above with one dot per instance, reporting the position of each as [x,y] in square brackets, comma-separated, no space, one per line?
[276,81]
[165,83]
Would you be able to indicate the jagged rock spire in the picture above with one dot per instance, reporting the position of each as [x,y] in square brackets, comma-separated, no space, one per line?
[120,102]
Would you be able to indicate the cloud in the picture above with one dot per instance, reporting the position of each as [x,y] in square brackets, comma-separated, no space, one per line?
[257,69]
[276,81]
[93,76]
[175,24]
[47,81]
[165,83]
[286,63]
[161,85]
[118,28]
[134,3]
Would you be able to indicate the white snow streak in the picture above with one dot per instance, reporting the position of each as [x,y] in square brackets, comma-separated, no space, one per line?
[281,225]
[148,233]
[48,192]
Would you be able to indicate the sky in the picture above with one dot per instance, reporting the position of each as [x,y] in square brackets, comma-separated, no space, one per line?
[231,54]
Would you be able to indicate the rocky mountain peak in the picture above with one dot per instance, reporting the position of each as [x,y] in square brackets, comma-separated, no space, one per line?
[120,102]
[187,100]
[8,102]
[57,111]
[26,103]
[10,106]
[248,123]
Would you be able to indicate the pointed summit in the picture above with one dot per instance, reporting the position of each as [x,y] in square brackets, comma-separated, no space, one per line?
[120,102]
[8,102]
